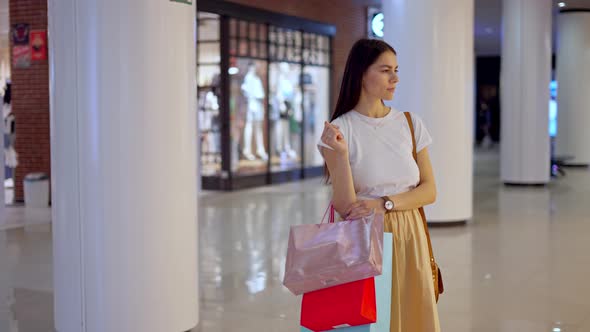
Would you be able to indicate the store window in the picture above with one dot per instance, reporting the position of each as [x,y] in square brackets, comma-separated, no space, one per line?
[209,94]
[248,116]
[263,95]
[286,98]
[317,110]
[248,70]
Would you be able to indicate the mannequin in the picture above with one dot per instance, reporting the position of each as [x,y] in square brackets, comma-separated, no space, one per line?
[284,100]
[254,92]
[10,156]
[312,155]
[295,123]
[207,117]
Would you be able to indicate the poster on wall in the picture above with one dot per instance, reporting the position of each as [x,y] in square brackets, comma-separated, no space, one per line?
[20,34]
[38,45]
[21,56]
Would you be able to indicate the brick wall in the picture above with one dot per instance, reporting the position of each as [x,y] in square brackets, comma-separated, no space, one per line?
[349,17]
[30,99]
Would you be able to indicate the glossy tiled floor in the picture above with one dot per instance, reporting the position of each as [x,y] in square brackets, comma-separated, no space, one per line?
[521,265]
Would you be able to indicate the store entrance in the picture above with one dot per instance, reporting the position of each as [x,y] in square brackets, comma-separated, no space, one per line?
[263,95]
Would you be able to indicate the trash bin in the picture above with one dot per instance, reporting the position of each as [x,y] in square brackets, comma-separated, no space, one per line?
[36,187]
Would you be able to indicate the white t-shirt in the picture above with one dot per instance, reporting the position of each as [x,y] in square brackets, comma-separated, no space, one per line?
[380,152]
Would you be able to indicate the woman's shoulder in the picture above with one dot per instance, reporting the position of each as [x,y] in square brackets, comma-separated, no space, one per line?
[343,119]
[416,118]
[344,122]
[396,112]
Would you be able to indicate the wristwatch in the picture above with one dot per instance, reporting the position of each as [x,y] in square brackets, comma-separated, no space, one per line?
[387,204]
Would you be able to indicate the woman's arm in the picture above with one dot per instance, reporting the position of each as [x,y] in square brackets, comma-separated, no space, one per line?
[423,194]
[341,178]
[339,167]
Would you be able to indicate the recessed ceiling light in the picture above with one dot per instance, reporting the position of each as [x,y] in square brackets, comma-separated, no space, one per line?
[561,4]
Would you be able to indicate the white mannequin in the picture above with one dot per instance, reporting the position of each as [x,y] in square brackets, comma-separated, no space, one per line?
[9,156]
[206,118]
[295,137]
[253,90]
[284,97]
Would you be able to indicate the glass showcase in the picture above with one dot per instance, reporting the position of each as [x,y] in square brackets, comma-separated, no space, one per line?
[263,95]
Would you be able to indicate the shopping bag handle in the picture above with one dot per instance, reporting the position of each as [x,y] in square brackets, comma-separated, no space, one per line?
[332,217]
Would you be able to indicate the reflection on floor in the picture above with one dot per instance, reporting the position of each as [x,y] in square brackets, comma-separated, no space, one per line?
[520,265]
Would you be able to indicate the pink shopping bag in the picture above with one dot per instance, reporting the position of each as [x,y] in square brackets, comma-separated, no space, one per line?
[334,253]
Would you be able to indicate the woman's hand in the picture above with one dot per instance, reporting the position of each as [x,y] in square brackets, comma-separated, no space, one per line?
[364,208]
[334,138]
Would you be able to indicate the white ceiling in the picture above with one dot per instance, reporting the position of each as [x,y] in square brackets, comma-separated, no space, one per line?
[574,4]
[488,23]
[488,18]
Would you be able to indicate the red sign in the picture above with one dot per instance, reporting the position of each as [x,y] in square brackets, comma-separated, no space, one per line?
[38,40]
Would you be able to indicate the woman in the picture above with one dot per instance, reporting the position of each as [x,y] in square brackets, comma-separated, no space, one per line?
[368,152]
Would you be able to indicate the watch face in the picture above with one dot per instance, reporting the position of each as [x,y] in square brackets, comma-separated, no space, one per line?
[388,205]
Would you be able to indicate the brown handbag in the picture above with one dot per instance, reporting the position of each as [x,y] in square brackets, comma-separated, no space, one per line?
[436,275]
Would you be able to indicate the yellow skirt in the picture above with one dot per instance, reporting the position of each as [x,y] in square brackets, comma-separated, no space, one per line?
[413,306]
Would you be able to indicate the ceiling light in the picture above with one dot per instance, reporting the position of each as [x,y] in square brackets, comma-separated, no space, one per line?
[377,25]
[561,4]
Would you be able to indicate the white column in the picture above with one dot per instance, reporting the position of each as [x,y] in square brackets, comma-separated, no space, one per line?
[8,321]
[123,153]
[524,91]
[573,79]
[434,42]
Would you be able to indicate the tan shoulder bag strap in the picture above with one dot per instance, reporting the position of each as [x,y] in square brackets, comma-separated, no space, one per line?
[415,154]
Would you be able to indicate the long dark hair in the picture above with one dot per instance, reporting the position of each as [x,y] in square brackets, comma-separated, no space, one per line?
[362,55]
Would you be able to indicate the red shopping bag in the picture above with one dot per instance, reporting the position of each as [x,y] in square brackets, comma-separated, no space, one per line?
[344,305]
